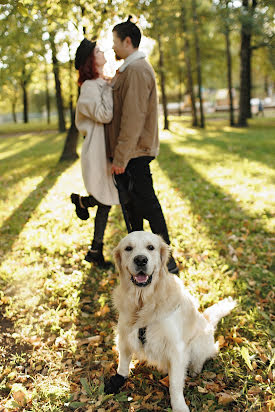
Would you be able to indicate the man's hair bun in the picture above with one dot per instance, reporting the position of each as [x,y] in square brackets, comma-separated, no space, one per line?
[129,18]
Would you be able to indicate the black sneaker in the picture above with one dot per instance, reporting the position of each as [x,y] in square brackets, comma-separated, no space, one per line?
[81,212]
[172,266]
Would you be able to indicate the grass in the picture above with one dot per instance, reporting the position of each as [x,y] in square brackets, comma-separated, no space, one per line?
[216,187]
[31,127]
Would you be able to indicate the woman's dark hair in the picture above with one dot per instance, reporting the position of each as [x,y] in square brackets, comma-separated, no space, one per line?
[88,70]
[128,29]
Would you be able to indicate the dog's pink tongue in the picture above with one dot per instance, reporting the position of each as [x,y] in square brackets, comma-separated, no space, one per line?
[141,278]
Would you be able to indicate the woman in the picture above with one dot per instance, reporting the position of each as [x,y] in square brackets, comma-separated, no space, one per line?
[94,108]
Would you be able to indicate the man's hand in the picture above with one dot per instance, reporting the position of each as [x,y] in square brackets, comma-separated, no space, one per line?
[117,170]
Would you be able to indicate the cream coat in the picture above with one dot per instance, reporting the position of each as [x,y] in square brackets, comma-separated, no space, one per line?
[94,108]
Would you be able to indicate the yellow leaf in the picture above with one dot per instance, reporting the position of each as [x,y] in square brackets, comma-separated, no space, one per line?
[221,341]
[245,355]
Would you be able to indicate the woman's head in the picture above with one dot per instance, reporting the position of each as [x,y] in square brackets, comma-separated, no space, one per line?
[89,61]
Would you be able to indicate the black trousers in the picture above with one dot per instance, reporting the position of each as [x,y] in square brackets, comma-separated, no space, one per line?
[142,202]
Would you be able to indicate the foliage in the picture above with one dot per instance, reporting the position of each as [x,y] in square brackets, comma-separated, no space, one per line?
[57,322]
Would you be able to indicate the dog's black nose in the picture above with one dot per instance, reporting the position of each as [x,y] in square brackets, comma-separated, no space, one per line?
[140,260]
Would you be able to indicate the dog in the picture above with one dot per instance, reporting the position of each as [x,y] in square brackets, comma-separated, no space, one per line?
[159,320]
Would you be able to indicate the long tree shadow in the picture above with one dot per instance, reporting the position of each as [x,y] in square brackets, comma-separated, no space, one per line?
[14,224]
[31,160]
[225,221]
[257,145]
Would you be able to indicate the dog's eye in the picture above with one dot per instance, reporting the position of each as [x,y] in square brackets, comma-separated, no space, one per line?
[128,248]
[150,247]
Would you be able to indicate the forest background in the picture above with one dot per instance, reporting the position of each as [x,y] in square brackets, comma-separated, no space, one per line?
[196,49]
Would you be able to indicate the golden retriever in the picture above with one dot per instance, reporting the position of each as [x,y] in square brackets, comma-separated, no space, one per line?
[159,320]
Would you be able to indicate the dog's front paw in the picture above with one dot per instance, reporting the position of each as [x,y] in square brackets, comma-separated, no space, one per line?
[114,384]
[184,408]
[179,406]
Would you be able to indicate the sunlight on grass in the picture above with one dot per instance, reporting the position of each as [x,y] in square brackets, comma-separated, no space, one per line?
[216,188]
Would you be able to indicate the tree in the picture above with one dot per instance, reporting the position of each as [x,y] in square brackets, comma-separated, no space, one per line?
[198,59]
[58,92]
[187,58]
[162,83]
[245,62]
[20,52]
[257,31]
[227,24]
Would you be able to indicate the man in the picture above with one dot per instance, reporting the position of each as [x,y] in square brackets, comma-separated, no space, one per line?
[132,136]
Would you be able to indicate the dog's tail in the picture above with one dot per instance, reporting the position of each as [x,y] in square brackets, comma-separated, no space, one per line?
[215,312]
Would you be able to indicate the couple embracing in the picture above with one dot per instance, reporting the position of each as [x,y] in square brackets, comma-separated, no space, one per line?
[119,120]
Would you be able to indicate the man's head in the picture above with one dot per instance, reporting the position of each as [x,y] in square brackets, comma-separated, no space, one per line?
[126,37]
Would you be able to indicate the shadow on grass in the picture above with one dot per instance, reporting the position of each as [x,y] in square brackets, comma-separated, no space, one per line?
[14,224]
[256,143]
[30,160]
[221,216]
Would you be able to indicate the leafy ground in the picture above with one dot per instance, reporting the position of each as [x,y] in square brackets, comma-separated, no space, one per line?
[56,319]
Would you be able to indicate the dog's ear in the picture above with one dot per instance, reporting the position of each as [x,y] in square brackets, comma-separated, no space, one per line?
[117,257]
[164,252]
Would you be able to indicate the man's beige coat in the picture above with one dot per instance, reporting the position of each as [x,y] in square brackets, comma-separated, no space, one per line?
[94,108]
[133,131]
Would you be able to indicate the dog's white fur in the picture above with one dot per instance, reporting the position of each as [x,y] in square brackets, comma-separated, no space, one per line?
[178,336]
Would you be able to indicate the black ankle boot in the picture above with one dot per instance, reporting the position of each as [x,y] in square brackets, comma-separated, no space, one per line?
[82,212]
[95,255]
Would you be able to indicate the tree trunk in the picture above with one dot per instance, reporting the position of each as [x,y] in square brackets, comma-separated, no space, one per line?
[244,57]
[71,90]
[13,106]
[189,69]
[245,72]
[162,84]
[229,76]
[249,82]
[198,60]
[58,94]
[69,150]
[266,88]
[25,97]
[249,68]
[48,104]
[180,90]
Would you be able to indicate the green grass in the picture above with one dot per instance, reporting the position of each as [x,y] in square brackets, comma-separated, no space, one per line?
[216,188]
[31,127]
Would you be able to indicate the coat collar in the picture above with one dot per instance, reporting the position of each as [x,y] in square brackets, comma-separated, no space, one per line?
[130,59]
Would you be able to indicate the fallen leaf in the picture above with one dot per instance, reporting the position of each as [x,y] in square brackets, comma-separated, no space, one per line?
[254,390]
[246,357]
[202,390]
[221,341]
[271,375]
[212,386]
[20,398]
[209,375]
[225,398]
[165,381]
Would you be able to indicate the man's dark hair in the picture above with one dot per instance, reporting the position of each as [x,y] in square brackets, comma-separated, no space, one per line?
[128,29]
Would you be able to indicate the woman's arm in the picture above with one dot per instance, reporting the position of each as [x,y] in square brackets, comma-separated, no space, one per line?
[96,103]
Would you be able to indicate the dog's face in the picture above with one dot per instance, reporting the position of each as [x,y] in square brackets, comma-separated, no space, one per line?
[140,257]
